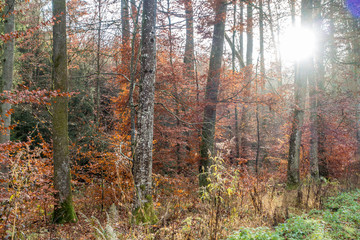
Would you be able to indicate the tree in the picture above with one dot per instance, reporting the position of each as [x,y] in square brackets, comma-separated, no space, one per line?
[211,92]
[64,209]
[244,142]
[189,57]
[7,77]
[303,71]
[142,168]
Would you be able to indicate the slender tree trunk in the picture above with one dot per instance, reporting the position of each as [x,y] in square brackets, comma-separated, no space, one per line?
[241,56]
[262,51]
[133,70]
[7,82]
[313,94]
[301,78]
[211,93]
[244,153]
[241,50]
[64,210]
[142,169]
[189,56]
[98,111]
[323,166]
[275,44]
[125,25]
[233,54]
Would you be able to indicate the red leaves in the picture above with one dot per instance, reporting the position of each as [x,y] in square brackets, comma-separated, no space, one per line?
[39,96]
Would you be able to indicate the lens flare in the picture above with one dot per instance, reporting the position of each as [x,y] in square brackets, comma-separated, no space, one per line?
[297,43]
[354,7]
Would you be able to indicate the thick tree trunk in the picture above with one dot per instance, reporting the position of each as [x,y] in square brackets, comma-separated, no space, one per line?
[64,210]
[211,93]
[301,77]
[356,49]
[7,81]
[189,56]
[143,205]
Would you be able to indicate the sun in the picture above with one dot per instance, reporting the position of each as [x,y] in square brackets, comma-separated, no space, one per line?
[297,43]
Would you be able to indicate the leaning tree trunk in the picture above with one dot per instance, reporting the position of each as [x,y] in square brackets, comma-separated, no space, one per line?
[211,93]
[64,210]
[301,78]
[142,169]
[7,80]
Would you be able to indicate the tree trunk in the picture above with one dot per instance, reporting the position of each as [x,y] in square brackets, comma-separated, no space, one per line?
[125,26]
[356,49]
[64,210]
[7,82]
[211,93]
[241,50]
[323,166]
[143,205]
[189,56]
[244,143]
[97,85]
[301,78]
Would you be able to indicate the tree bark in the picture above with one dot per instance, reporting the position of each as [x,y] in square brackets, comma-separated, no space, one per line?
[7,82]
[125,25]
[64,210]
[301,78]
[189,56]
[98,89]
[356,49]
[143,205]
[244,143]
[211,93]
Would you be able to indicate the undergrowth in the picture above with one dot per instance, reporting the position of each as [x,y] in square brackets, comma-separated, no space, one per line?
[339,219]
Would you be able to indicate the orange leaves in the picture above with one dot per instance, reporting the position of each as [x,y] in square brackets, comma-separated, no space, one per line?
[39,96]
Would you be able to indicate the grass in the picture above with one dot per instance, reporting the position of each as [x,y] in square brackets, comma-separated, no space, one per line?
[339,219]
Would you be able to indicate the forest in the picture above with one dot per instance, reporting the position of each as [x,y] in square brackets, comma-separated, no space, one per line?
[180,119]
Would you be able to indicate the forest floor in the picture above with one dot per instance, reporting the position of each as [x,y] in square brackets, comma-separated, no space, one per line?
[324,210]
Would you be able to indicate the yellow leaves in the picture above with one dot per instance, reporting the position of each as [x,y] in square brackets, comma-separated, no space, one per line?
[229,191]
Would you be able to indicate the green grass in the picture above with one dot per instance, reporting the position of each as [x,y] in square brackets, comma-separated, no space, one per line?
[340,219]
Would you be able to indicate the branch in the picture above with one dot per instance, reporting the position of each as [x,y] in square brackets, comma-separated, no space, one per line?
[238,56]
[122,154]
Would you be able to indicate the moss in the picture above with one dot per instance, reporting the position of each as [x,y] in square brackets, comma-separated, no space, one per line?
[64,212]
[292,186]
[145,214]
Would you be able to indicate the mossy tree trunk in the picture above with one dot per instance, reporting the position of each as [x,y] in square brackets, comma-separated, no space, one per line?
[64,210]
[142,169]
[7,80]
[211,92]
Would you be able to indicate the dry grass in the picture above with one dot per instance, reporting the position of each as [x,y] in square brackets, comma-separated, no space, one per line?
[236,200]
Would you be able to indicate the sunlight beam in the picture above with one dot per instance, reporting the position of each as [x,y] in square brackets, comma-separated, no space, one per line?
[297,43]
